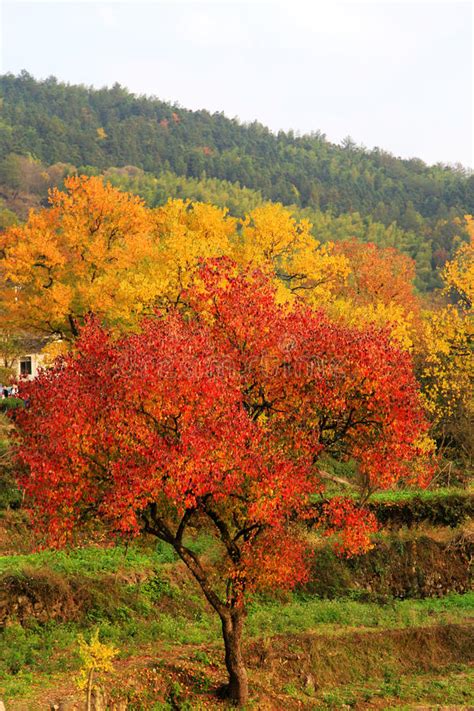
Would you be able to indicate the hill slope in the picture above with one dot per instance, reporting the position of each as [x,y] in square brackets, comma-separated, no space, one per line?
[112,127]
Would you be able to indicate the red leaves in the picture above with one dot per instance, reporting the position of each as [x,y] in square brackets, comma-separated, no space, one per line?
[227,402]
[276,559]
[352,524]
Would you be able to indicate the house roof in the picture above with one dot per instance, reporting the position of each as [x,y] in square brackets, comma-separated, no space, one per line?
[34,344]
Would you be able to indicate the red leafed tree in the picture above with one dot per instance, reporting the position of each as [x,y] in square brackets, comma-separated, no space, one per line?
[216,415]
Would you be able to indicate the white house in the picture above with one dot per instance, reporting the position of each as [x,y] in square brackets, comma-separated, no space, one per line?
[25,357]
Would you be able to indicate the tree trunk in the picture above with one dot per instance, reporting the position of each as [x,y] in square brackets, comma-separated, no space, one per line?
[89,689]
[232,624]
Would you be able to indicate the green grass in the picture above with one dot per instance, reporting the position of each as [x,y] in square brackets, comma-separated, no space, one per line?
[455,686]
[424,494]
[301,615]
[93,560]
[50,648]
[400,495]
[159,612]
[85,561]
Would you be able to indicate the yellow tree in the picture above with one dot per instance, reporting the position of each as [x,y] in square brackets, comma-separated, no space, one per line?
[271,238]
[445,372]
[98,250]
[268,237]
[458,274]
[446,357]
[92,250]
[185,233]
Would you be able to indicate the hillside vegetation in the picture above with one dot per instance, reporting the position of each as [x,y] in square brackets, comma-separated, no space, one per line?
[369,190]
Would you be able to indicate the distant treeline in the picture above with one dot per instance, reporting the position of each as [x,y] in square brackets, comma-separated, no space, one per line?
[353,189]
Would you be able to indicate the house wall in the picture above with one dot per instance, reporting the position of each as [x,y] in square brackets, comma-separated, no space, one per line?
[37,360]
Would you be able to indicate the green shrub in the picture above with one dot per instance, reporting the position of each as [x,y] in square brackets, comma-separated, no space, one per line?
[10,496]
[437,509]
[156,588]
[11,403]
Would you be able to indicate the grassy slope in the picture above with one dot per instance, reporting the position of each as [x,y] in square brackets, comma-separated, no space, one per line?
[162,610]
[142,601]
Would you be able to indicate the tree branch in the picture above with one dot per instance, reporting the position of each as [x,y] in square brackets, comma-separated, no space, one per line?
[232,548]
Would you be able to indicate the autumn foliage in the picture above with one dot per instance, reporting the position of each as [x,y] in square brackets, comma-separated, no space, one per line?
[445,358]
[458,273]
[213,366]
[254,391]
[99,250]
[217,414]
[89,252]
[378,274]
[379,290]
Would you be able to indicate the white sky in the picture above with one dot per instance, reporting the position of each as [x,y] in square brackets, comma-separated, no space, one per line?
[398,75]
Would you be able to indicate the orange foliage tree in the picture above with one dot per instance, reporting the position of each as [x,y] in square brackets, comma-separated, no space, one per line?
[90,252]
[379,289]
[99,250]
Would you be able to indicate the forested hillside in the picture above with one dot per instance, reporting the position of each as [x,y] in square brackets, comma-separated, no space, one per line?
[94,130]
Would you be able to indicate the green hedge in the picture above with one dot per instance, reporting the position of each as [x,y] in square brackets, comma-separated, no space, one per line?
[443,509]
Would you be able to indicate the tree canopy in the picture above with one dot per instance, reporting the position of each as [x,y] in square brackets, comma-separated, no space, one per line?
[216,415]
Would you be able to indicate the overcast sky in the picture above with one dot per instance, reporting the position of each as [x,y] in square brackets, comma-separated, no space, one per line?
[398,75]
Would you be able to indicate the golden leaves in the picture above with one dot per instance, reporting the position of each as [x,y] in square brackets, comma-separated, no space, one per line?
[458,274]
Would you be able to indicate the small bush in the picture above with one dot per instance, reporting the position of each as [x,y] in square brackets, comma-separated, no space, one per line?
[156,588]
[11,403]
